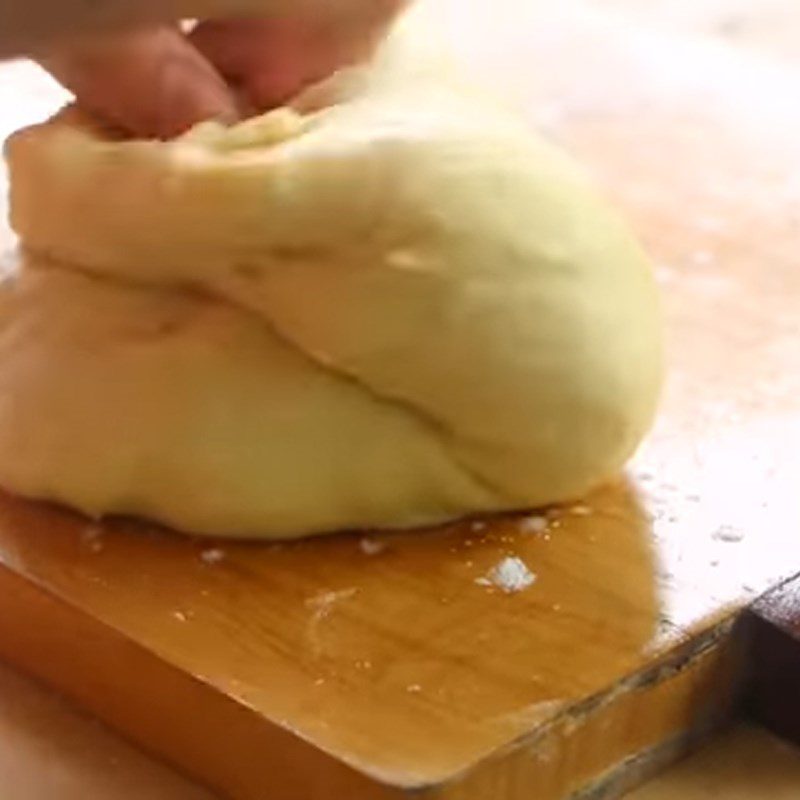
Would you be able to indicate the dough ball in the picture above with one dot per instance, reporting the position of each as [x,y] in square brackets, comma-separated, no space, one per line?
[396,309]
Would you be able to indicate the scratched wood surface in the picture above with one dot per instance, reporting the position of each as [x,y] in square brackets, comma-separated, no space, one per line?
[327,669]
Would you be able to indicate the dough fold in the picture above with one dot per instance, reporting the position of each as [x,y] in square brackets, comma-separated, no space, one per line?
[397,309]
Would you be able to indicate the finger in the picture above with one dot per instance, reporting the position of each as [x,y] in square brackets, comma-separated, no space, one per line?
[273,59]
[25,26]
[151,82]
[269,60]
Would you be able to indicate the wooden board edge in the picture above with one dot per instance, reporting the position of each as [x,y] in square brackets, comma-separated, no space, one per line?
[602,741]
[600,748]
[177,717]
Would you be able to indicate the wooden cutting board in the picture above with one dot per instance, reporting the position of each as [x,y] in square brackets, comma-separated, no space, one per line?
[374,666]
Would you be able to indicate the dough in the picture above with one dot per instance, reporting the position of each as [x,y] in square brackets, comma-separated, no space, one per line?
[397,309]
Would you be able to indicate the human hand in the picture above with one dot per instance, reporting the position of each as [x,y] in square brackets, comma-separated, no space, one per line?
[158,81]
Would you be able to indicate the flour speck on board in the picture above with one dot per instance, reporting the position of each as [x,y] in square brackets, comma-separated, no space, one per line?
[371,547]
[91,537]
[322,604]
[581,511]
[91,532]
[534,524]
[212,556]
[511,575]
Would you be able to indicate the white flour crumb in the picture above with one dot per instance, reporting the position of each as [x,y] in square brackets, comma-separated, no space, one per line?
[212,556]
[581,511]
[180,616]
[477,527]
[728,534]
[483,581]
[322,604]
[371,547]
[91,532]
[414,688]
[535,524]
[91,537]
[511,575]
[319,681]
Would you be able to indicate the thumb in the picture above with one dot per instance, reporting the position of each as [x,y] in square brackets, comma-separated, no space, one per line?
[149,82]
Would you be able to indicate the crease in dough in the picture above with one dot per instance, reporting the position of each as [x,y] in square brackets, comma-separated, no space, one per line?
[436,426]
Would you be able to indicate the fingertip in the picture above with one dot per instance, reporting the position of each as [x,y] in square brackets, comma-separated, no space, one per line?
[185,91]
[152,83]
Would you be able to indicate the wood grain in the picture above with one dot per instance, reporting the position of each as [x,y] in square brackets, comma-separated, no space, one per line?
[319,671]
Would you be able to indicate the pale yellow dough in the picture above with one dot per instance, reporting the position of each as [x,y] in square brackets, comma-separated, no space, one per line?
[397,310]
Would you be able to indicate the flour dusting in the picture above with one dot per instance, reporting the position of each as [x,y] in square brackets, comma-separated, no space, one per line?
[511,575]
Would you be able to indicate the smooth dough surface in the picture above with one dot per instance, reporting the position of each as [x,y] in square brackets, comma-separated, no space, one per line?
[394,310]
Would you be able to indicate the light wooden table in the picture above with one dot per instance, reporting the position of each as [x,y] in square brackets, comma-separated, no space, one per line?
[49,751]
[691,132]
[744,763]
